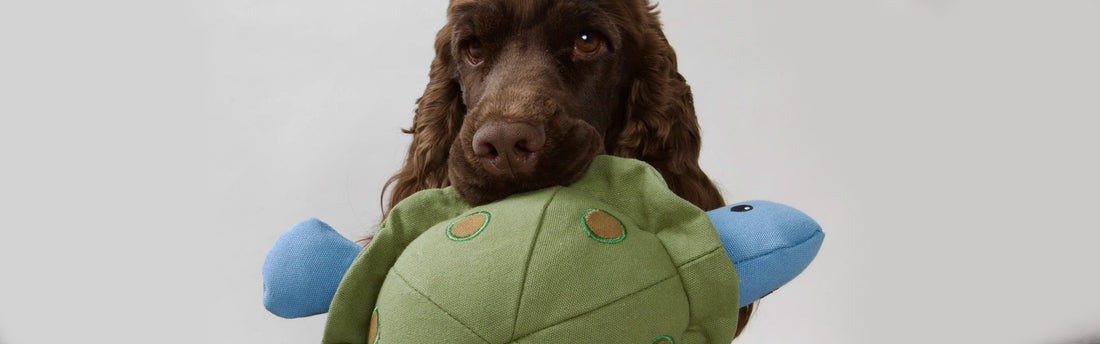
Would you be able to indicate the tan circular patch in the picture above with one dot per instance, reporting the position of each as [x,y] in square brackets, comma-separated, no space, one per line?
[604,227]
[372,333]
[468,227]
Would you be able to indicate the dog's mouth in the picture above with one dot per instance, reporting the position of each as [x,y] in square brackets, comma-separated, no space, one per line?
[505,158]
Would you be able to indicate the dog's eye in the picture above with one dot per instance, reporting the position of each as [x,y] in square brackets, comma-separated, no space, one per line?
[474,53]
[587,44]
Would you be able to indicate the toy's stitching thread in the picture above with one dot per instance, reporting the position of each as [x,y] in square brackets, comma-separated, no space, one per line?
[622,227]
[527,264]
[680,275]
[451,236]
[597,308]
[701,256]
[406,281]
[659,339]
[811,237]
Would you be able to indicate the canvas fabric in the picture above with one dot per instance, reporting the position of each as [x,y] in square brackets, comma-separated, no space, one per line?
[770,245]
[303,269]
[536,274]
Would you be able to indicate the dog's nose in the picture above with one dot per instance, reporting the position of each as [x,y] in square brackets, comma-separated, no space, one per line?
[509,147]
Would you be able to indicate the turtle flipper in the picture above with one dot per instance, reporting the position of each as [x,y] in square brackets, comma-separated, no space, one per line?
[304,267]
[769,244]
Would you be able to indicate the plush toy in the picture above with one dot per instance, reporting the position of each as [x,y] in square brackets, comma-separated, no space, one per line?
[614,257]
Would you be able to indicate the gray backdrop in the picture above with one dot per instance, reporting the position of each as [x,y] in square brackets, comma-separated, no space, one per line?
[152,152]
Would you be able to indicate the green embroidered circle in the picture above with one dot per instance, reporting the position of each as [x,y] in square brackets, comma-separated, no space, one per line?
[663,340]
[603,227]
[469,226]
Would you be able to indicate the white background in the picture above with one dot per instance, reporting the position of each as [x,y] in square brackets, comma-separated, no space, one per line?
[152,152]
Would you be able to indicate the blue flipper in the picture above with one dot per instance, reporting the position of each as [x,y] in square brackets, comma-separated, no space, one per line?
[303,269]
[769,244]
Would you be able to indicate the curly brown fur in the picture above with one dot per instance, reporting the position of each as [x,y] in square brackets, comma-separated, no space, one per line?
[517,61]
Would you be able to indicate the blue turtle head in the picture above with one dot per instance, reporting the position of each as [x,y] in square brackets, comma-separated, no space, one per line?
[769,244]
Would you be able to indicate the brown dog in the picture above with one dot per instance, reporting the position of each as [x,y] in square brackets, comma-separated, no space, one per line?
[524,93]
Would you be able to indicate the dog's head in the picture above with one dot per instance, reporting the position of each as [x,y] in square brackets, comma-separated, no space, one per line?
[540,81]
[524,93]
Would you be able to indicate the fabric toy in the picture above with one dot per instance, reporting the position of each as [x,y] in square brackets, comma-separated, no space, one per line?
[613,257]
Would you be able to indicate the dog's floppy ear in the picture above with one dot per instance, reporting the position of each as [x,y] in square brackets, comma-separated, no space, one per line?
[659,124]
[438,118]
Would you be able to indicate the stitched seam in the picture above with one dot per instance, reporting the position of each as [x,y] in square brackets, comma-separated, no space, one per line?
[812,236]
[612,302]
[701,256]
[527,264]
[406,281]
[683,285]
[691,306]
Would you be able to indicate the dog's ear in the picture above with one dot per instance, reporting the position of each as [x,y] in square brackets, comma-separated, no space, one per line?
[438,118]
[659,124]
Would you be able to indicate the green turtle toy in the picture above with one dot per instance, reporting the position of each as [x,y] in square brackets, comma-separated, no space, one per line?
[615,257]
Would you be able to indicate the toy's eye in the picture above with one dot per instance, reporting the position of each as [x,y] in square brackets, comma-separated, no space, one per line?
[741,208]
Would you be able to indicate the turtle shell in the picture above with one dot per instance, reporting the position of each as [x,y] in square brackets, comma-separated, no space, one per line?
[580,263]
